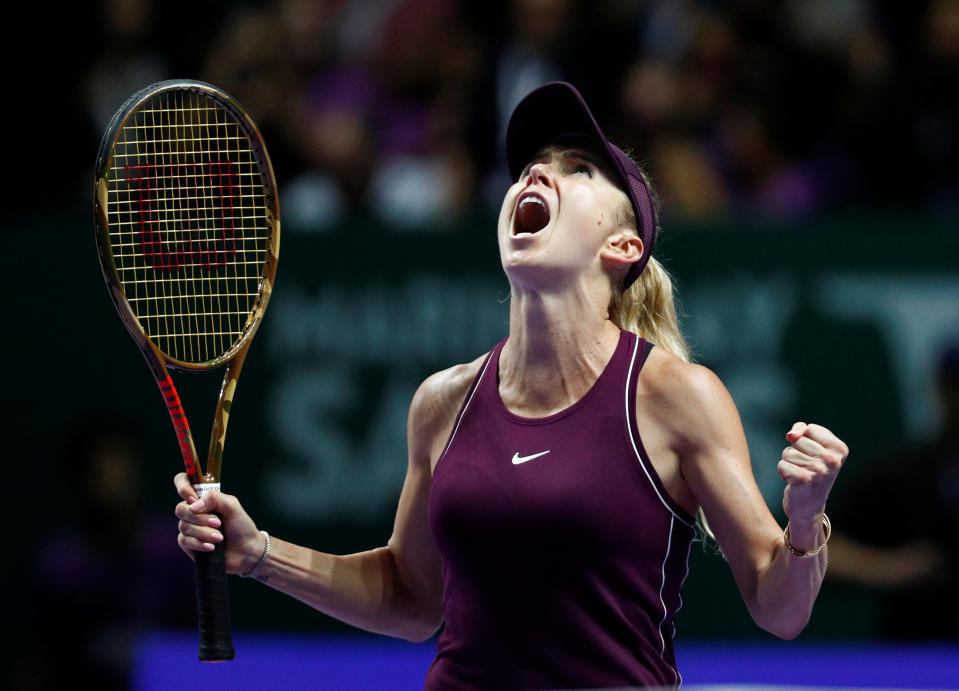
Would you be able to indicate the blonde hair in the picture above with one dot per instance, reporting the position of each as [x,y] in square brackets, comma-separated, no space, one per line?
[648,309]
[648,306]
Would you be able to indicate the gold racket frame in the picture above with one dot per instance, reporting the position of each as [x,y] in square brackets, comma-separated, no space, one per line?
[157,359]
[104,165]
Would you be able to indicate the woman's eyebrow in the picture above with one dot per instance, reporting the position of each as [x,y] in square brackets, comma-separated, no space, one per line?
[584,154]
[593,158]
[548,152]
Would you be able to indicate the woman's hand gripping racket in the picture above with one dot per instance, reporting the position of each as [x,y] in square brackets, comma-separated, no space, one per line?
[188,233]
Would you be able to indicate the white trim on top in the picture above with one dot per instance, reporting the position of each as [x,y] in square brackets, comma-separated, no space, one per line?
[465,408]
[629,432]
[662,586]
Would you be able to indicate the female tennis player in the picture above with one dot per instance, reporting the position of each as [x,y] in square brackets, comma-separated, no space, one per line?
[554,483]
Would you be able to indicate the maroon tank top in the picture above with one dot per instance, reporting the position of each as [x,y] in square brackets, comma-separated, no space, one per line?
[563,555]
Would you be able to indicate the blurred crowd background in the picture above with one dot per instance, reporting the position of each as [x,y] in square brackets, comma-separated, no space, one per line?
[758,108]
[807,152]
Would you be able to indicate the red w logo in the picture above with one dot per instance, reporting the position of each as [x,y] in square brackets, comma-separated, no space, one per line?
[193,206]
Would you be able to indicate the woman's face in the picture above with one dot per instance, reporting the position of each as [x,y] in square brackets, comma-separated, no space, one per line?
[557,217]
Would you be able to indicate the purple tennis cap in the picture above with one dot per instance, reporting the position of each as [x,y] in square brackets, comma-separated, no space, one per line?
[557,109]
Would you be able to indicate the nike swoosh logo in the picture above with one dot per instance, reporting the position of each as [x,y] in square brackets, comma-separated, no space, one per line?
[517,459]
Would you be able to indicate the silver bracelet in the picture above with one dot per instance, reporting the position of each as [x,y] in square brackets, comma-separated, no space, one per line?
[266,551]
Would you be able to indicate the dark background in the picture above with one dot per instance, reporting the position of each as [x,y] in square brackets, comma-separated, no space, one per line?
[806,154]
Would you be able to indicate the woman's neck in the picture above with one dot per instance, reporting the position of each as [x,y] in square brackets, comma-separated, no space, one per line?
[558,346]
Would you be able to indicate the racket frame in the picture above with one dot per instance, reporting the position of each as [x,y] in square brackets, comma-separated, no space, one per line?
[159,361]
[215,643]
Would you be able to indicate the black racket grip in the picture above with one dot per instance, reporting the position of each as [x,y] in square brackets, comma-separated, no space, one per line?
[212,606]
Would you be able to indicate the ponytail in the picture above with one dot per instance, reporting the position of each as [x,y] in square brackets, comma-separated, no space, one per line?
[648,309]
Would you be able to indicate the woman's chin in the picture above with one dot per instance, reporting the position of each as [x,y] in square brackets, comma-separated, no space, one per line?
[524,272]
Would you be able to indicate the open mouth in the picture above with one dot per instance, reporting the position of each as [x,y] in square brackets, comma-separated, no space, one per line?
[532,215]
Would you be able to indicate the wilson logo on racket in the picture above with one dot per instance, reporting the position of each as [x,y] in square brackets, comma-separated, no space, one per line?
[202,196]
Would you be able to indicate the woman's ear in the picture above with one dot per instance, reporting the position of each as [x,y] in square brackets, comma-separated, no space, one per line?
[621,250]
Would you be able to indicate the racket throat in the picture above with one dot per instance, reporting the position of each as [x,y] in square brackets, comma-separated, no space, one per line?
[222,416]
[180,425]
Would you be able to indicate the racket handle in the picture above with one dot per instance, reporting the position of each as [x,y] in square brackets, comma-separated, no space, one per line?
[212,606]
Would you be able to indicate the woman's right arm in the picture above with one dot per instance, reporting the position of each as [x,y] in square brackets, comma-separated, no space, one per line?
[395,590]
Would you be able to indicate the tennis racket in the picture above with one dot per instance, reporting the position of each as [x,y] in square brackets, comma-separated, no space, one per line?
[188,233]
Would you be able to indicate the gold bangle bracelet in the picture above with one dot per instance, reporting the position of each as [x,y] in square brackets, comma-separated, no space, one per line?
[827,527]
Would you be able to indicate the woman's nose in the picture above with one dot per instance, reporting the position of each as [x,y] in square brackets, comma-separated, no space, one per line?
[539,173]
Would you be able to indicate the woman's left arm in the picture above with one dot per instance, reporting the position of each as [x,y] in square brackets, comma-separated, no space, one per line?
[809,466]
[778,586]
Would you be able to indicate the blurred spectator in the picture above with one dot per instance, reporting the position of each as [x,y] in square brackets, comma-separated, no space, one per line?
[129,57]
[667,96]
[251,59]
[540,33]
[765,182]
[397,108]
[936,129]
[693,188]
[530,42]
[724,111]
[336,131]
[897,528]
[426,61]
[384,125]
[109,574]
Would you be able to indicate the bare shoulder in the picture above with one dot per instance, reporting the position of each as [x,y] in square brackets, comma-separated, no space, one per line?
[694,436]
[675,383]
[687,398]
[445,388]
[435,405]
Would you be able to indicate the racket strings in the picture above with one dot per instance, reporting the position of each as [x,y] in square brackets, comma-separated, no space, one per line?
[188,224]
